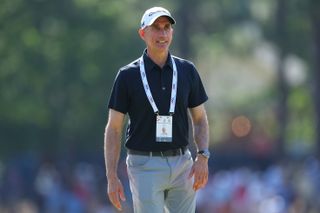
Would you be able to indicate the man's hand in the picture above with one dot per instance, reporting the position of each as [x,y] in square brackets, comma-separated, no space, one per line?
[200,172]
[115,191]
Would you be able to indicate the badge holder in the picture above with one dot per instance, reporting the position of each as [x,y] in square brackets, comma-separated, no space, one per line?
[164,128]
[163,122]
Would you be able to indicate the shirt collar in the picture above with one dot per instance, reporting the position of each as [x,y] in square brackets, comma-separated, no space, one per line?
[150,65]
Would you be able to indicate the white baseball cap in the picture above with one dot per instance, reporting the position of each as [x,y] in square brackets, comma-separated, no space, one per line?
[152,14]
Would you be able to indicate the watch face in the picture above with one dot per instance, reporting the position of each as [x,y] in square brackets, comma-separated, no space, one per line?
[205,153]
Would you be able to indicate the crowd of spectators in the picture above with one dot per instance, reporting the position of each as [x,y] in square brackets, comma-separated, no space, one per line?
[30,184]
[281,188]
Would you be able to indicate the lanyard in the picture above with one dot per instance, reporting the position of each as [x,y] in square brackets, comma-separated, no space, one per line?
[148,91]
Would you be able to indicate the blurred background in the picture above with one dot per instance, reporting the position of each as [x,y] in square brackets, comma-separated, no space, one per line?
[260,64]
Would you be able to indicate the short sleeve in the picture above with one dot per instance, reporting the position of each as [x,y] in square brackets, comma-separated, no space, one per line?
[119,94]
[197,94]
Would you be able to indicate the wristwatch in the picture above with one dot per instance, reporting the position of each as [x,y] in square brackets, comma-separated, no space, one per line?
[205,153]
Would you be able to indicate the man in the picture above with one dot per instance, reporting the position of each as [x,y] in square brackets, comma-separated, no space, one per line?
[156,91]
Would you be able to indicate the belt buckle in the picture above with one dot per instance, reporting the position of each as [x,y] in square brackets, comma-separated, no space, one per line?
[172,152]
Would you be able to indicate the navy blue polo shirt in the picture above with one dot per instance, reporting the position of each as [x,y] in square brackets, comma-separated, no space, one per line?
[128,96]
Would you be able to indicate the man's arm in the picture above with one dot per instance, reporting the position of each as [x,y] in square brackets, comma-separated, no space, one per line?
[201,135]
[112,147]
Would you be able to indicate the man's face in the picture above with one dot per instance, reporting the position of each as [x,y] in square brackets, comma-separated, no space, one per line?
[158,36]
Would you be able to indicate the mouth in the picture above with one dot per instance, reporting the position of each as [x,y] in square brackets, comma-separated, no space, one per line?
[162,42]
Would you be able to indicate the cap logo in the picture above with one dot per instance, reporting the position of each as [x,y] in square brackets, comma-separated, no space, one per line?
[151,13]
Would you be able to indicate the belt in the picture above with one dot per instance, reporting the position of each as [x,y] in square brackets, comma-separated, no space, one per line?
[171,152]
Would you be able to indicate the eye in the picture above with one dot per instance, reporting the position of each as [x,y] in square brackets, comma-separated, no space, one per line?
[155,27]
[167,27]
[158,28]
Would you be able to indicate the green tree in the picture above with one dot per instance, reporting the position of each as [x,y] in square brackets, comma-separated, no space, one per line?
[59,59]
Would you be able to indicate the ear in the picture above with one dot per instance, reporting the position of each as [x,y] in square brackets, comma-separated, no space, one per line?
[141,33]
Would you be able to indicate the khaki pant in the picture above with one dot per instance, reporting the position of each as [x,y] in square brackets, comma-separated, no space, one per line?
[161,184]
